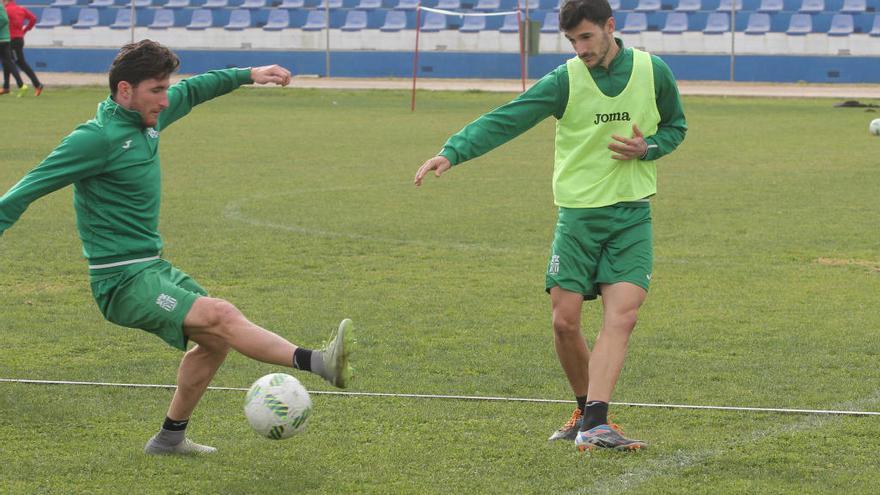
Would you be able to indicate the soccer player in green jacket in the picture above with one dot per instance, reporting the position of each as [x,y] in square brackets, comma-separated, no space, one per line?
[618,110]
[113,163]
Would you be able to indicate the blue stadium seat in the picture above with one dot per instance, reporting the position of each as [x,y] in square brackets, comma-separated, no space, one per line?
[433,22]
[724,5]
[509,25]
[407,4]
[449,5]
[800,24]
[759,23]
[315,21]
[676,23]
[123,19]
[487,6]
[49,18]
[648,6]
[87,19]
[176,4]
[63,3]
[355,20]
[853,7]
[141,3]
[201,19]
[473,24]
[770,6]
[334,4]
[689,5]
[717,23]
[395,20]
[551,22]
[278,19]
[369,4]
[636,22]
[875,29]
[812,6]
[292,4]
[841,25]
[215,4]
[101,3]
[252,4]
[162,19]
[615,5]
[239,20]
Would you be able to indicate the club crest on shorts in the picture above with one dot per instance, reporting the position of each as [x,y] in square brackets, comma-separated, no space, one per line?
[553,269]
[166,302]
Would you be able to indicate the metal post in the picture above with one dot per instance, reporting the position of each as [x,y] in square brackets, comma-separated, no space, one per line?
[327,27]
[528,43]
[732,39]
[133,20]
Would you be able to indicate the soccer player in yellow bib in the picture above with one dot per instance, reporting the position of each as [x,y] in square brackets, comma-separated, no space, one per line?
[618,110]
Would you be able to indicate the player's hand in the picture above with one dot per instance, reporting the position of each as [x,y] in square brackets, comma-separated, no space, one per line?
[438,164]
[629,148]
[270,74]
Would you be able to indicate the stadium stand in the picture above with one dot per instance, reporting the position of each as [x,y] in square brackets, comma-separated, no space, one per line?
[449,4]
[215,4]
[292,4]
[812,6]
[676,23]
[551,22]
[395,20]
[368,5]
[253,4]
[875,29]
[854,7]
[333,4]
[841,25]
[315,21]
[688,6]
[87,19]
[101,3]
[239,19]
[201,19]
[176,4]
[407,4]
[759,23]
[278,19]
[635,22]
[63,3]
[473,24]
[509,25]
[800,24]
[648,6]
[123,19]
[355,20]
[770,6]
[717,23]
[50,17]
[725,5]
[487,5]
[162,19]
[433,21]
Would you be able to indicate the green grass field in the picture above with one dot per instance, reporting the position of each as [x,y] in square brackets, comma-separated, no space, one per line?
[297,205]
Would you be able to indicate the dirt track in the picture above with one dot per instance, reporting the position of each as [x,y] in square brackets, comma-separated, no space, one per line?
[709,88]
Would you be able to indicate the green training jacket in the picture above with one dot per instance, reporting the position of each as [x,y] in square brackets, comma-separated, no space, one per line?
[113,163]
[549,96]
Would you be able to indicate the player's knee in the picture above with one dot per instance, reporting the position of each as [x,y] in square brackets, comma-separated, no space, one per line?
[565,327]
[224,317]
[625,320]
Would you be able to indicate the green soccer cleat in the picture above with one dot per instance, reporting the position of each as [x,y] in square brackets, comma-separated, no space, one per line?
[570,429]
[22,91]
[336,352]
[186,447]
[606,437]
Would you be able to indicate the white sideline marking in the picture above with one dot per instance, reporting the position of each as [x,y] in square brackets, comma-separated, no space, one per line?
[469,397]
[682,459]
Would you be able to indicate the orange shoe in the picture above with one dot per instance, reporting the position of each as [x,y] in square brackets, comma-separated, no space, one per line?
[570,429]
[38,90]
[4,91]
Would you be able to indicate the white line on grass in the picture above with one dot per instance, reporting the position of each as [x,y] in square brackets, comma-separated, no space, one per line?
[468,397]
[666,465]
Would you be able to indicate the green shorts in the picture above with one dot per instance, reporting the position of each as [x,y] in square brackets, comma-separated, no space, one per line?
[605,245]
[152,296]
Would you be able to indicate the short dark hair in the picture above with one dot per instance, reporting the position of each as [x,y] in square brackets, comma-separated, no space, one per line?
[574,11]
[137,62]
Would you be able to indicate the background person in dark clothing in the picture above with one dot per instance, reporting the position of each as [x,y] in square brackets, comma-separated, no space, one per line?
[21,20]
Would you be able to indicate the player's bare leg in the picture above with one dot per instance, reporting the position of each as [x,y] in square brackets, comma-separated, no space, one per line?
[572,350]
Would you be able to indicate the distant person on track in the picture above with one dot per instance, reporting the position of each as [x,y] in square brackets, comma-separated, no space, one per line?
[6,55]
[617,109]
[21,20]
[113,163]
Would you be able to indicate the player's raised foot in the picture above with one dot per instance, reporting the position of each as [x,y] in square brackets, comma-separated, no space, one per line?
[186,447]
[38,90]
[570,429]
[22,91]
[336,352]
[606,437]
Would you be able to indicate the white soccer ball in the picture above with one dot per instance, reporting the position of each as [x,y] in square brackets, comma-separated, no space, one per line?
[874,127]
[277,406]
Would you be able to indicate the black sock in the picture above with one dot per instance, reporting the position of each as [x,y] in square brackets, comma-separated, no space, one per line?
[582,403]
[173,425]
[302,359]
[596,414]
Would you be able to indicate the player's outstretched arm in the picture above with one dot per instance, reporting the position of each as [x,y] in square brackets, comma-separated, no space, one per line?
[438,164]
[270,74]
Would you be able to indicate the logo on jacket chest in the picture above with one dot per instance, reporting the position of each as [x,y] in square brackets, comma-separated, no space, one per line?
[153,133]
[602,118]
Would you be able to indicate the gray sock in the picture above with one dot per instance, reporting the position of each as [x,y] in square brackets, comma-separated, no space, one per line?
[317,364]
